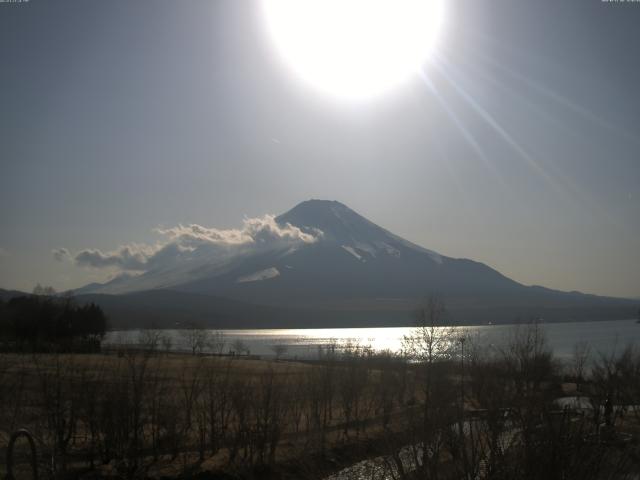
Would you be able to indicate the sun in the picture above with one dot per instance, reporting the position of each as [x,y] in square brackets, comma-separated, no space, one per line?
[354,48]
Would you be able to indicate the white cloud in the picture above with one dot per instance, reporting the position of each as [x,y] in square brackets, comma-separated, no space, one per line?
[188,242]
[127,257]
[255,230]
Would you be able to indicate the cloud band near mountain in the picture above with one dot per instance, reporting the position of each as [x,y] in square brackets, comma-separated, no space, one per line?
[185,242]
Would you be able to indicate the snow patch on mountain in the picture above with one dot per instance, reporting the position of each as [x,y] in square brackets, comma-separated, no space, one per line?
[435,256]
[353,252]
[394,252]
[366,247]
[260,275]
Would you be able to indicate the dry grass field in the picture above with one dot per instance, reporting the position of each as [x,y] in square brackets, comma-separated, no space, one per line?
[135,413]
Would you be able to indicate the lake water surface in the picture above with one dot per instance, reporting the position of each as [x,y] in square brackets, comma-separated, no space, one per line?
[604,336]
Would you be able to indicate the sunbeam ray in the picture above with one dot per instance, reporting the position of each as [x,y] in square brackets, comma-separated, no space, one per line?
[556,96]
[559,183]
[493,123]
[466,134]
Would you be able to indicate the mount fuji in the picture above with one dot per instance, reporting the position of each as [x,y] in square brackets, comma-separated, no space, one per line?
[351,272]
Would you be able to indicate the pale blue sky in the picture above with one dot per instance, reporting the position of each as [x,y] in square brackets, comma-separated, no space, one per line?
[117,117]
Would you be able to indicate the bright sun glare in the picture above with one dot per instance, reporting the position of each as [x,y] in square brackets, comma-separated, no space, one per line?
[354,48]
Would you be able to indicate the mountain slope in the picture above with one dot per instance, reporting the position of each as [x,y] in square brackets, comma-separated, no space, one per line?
[352,266]
[355,259]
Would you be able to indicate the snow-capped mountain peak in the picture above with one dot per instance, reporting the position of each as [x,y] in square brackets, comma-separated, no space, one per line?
[318,249]
[341,225]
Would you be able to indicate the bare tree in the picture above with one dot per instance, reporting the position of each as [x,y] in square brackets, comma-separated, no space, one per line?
[529,358]
[279,350]
[580,359]
[217,400]
[46,291]
[167,342]
[428,345]
[149,339]
[239,346]
[217,341]
[196,338]
[431,339]
[59,401]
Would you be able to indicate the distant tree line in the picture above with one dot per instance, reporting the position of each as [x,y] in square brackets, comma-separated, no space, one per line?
[42,322]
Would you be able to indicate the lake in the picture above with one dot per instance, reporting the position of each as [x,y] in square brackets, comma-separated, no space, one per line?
[603,336]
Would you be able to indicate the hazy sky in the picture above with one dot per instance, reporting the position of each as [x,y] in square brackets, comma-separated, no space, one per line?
[118,117]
